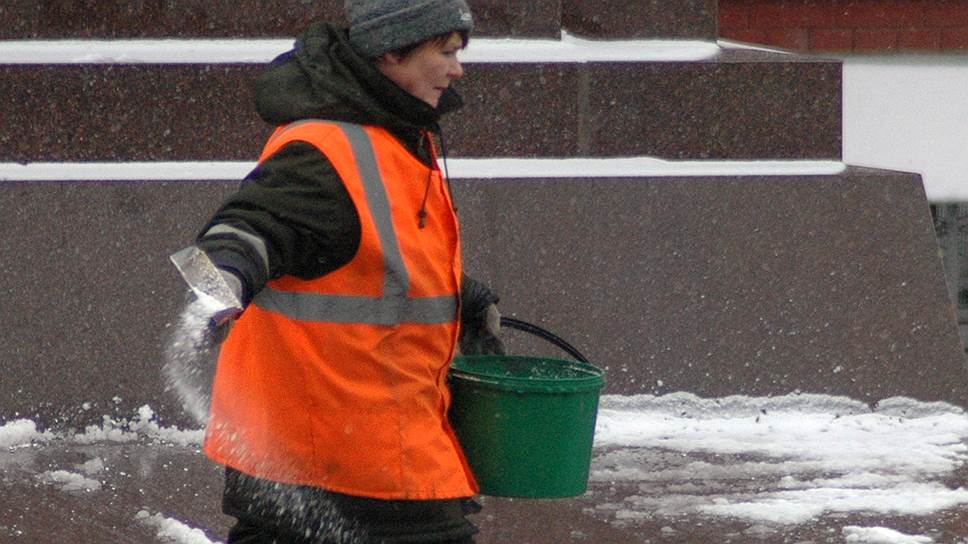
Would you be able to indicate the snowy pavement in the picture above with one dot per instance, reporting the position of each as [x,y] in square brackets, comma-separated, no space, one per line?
[666,469]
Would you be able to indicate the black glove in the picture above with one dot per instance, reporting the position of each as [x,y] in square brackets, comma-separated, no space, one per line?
[480,320]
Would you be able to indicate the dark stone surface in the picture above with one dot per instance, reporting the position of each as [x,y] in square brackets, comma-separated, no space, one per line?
[90,293]
[740,106]
[175,482]
[721,286]
[731,108]
[621,19]
[134,112]
[516,110]
[755,286]
[515,19]
[59,19]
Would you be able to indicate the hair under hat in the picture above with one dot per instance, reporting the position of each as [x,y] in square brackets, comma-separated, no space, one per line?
[379,26]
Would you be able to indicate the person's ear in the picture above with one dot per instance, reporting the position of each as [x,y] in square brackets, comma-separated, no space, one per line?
[389,59]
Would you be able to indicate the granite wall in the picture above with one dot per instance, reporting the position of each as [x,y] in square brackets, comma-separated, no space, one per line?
[604,19]
[715,285]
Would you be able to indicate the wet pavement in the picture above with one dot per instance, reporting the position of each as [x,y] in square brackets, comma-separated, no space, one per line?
[126,493]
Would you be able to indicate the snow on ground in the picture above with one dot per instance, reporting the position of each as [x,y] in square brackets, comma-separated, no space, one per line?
[881,535]
[86,477]
[782,460]
[69,481]
[20,432]
[778,461]
[172,530]
[141,426]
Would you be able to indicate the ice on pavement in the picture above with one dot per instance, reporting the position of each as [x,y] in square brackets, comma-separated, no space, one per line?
[172,530]
[69,481]
[780,460]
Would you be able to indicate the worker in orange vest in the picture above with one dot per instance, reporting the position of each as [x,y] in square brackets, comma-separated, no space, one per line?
[329,404]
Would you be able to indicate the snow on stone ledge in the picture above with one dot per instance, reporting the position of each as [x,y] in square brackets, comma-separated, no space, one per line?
[457,168]
[256,51]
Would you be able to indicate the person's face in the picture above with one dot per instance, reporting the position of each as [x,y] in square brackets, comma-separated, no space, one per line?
[428,70]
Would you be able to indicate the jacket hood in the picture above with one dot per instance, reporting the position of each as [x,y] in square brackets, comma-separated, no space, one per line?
[323,77]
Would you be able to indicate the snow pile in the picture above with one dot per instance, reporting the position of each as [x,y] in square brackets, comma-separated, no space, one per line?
[69,481]
[21,432]
[72,481]
[141,426]
[783,460]
[170,530]
[881,535]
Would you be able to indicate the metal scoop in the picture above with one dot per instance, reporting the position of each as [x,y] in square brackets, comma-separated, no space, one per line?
[207,282]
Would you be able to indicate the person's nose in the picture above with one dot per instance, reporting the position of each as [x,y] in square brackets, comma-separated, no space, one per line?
[456,70]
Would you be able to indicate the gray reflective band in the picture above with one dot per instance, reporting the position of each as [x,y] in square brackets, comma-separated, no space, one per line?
[396,281]
[350,309]
[393,306]
[257,243]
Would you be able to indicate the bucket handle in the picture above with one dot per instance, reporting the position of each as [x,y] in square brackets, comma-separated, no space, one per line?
[531,328]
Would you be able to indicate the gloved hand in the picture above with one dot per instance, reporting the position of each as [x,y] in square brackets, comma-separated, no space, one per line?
[220,288]
[220,325]
[233,281]
[480,320]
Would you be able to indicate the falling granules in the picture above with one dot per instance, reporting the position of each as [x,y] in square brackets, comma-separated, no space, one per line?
[190,355]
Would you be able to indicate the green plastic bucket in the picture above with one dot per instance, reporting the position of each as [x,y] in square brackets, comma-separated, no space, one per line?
[526,424]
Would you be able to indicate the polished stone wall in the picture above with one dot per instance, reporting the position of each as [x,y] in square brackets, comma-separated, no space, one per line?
[604,19]
[205,19]
[620,19]
[715,285]
[718,286]
[741,105]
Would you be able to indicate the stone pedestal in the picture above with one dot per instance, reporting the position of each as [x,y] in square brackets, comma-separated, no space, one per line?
[712,285]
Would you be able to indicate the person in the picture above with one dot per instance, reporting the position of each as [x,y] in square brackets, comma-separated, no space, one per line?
[329,402]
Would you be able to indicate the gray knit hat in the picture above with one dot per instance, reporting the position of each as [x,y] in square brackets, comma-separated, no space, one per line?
[379,26]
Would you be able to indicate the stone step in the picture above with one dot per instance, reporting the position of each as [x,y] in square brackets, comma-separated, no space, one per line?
[604,19]
[206,19]
[742,104]
[717,286]
[720,286]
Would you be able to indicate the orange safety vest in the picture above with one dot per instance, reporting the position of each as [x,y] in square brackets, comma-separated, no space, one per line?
[339,382]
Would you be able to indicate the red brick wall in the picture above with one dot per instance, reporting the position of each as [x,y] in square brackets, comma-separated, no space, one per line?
[847,25]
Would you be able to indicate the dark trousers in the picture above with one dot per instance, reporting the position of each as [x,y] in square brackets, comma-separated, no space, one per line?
[245,532]
[274,513]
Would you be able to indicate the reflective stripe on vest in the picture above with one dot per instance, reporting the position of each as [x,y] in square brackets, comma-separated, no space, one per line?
[394,306]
